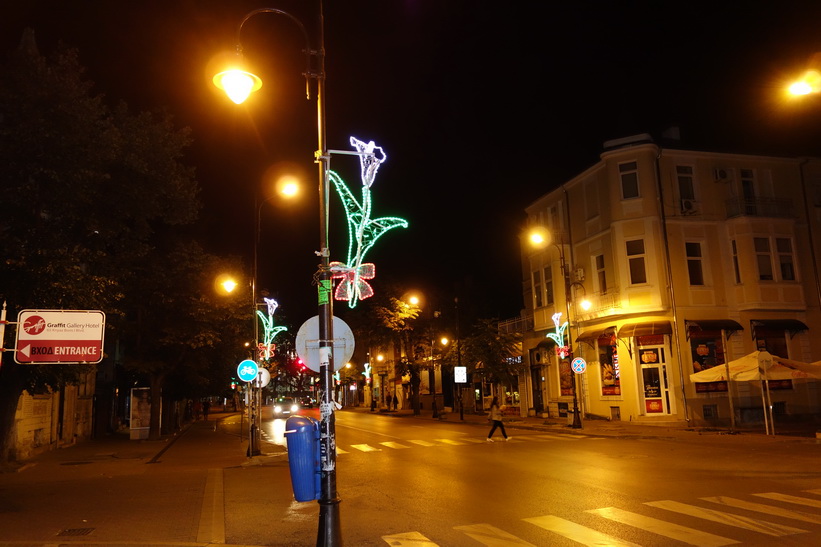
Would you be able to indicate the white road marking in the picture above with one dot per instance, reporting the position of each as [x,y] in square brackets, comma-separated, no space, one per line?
[450,441]
[663,528]
[767,509]
[760,526]
[790,499]
[577,532]
[391,444]
[366,448]
[491,536]
[421,443]
[409,539]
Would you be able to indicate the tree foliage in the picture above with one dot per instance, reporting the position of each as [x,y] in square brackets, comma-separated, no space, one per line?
[493,353]
[90,194]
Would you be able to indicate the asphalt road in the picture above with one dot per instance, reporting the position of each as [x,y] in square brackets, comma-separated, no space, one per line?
[422,482]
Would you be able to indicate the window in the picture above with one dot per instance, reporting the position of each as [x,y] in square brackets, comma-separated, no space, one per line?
[783,258]
[684,175]
[736,269]
[628,172]
[635,261]
[748,191]
[537,289]
[763,258]
[601,274]
[783,247]
[548,286]
[694,266]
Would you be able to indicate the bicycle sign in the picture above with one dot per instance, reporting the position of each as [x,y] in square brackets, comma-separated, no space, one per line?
[579,365]
[247,370]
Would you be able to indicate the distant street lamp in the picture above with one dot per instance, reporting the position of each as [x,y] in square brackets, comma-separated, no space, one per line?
[539,239]
[238,83]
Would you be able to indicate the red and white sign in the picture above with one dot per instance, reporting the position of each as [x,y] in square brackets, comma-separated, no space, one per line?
[60,336]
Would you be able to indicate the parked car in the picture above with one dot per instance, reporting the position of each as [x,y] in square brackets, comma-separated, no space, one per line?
[306,402]
[285,406]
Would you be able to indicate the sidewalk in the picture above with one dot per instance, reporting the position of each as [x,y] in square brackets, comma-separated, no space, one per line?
[785,432]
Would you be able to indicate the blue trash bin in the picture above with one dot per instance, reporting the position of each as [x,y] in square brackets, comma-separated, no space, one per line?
[302,436]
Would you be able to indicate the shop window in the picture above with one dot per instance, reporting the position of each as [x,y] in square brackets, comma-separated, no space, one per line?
[773,341]
[707,351]
[609,365]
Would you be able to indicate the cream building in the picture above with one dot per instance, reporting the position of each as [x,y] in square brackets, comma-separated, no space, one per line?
[688,259]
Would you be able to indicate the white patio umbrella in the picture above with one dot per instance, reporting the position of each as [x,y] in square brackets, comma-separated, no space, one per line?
[759,366]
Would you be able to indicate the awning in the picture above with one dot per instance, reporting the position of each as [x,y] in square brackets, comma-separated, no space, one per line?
[791,325]
[712,324]
[644,329]
[547,343]
[591,336]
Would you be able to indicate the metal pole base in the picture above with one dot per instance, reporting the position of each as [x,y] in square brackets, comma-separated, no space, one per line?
[330,526]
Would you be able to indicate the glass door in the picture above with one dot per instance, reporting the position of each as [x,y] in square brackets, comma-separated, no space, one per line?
[655,389]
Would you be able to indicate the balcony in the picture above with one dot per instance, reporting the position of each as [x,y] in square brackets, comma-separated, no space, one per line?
[760,207]
[517,324]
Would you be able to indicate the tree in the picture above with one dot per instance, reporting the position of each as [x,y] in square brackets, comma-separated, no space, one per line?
[494,353]
[87,191]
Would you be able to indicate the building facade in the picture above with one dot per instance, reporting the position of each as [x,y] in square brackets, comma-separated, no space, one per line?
[687,260]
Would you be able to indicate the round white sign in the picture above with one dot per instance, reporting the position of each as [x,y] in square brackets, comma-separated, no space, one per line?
[307,343]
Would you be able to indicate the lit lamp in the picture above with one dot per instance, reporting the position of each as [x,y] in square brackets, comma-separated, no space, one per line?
[239,83]
[539,238]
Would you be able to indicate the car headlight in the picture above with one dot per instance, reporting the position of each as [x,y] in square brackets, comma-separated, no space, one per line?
[294,408]
[277,409]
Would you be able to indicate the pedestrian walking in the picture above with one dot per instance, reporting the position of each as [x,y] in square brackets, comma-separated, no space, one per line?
[395,402]
[495,416]
[206,406]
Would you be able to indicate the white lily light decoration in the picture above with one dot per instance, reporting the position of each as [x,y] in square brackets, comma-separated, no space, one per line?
[363,231]
[269,331]
[562,348]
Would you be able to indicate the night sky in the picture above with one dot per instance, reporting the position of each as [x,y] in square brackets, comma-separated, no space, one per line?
[481,107]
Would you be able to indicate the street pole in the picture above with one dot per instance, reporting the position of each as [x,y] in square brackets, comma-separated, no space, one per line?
[329,529]
[577,422]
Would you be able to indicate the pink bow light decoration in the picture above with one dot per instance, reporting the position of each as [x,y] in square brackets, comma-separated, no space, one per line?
[353,284]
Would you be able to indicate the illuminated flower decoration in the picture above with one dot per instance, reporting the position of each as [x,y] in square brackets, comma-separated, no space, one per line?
[561,348]
[363,231]
[269,331]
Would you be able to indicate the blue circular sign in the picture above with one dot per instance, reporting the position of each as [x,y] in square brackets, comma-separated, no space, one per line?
[578,365]
[247,370]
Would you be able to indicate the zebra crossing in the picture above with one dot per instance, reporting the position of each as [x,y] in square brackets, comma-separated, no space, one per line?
[712,509]
[461,441]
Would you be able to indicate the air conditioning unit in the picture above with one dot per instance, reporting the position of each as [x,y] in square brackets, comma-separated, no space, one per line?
[721,174]
[689,207]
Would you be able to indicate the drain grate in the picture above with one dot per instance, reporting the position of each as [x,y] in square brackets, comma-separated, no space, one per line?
[75,532]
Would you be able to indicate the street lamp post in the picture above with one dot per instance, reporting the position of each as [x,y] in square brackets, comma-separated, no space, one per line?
[539,239]
[329,532]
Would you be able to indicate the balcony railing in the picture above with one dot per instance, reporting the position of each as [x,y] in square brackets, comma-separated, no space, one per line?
[760,207]
[517,324]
